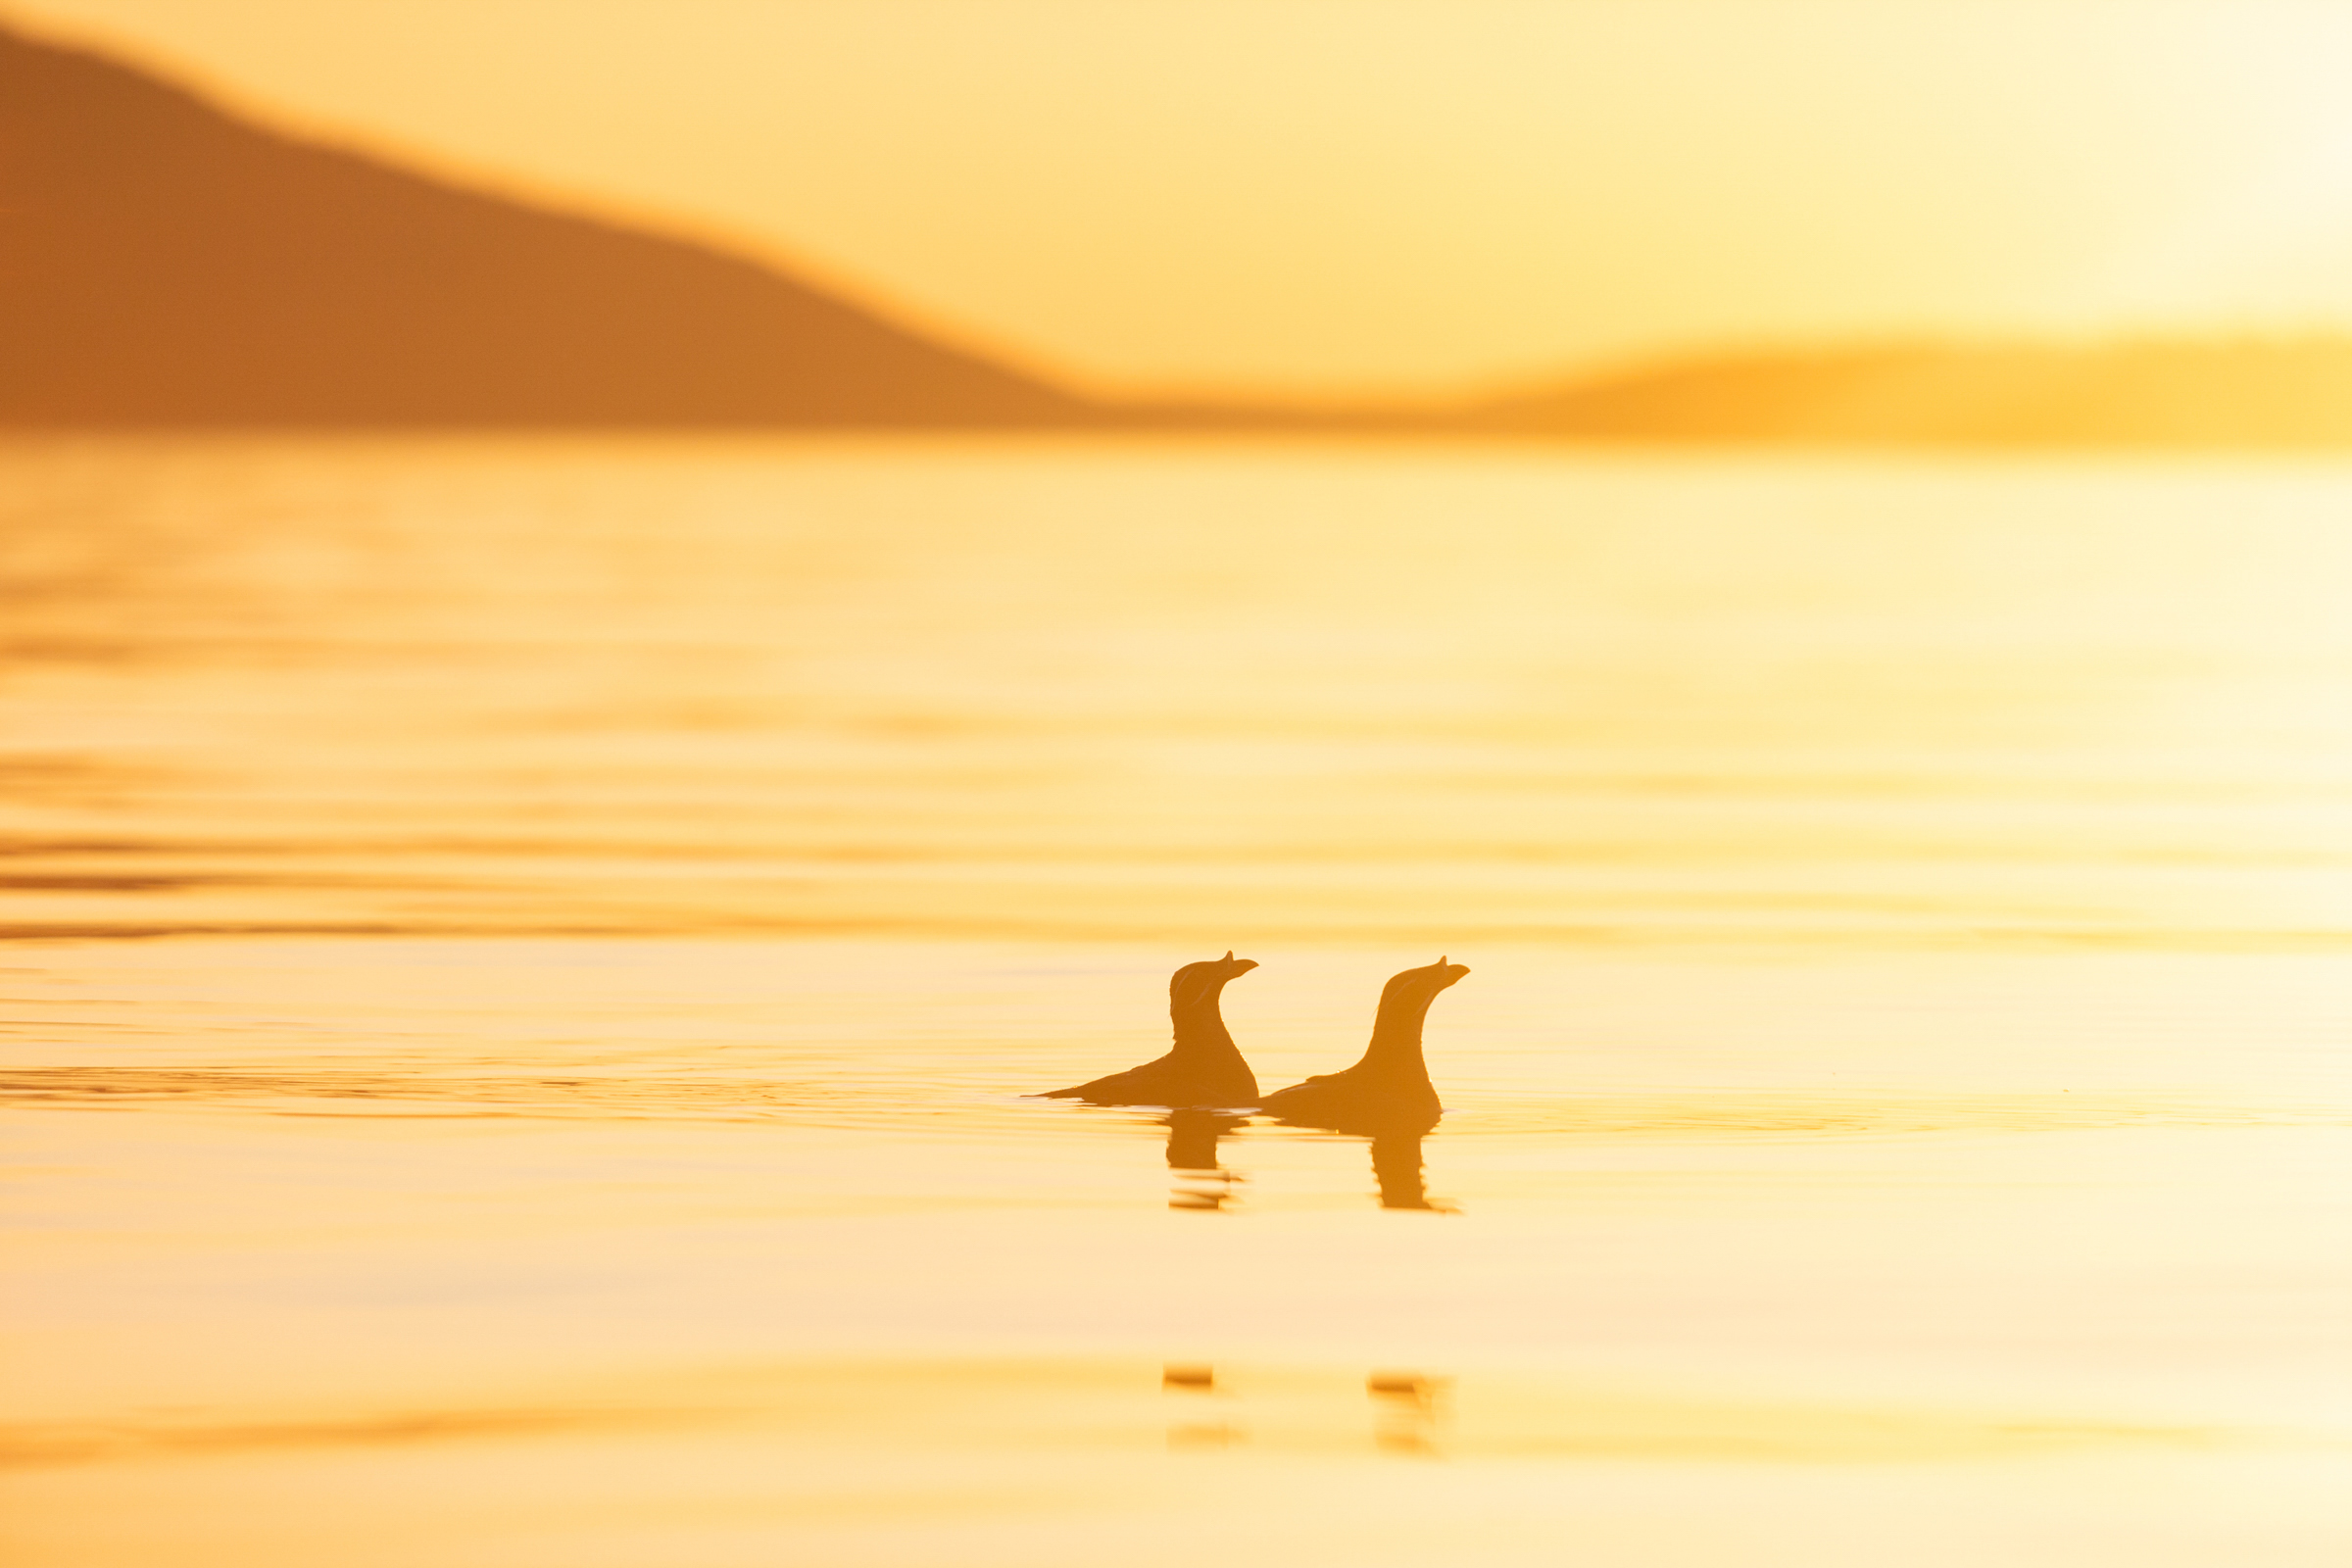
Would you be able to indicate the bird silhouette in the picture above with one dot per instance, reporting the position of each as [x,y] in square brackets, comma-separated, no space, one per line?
[1203,1067]
[1389,1091]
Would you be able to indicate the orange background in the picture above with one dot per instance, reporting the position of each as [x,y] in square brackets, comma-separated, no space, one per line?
[1376,197]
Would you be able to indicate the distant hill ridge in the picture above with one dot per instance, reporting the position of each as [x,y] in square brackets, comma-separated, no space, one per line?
[165,264]
[2251,393]
[162,263]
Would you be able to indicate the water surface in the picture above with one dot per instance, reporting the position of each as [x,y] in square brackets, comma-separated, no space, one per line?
[522,960]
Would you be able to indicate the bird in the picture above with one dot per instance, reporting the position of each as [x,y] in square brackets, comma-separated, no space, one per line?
[1389,1091]
[1203,1067]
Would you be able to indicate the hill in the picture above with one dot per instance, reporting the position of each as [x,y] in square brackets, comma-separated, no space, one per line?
[2292,394]
[162,263]
[166,264]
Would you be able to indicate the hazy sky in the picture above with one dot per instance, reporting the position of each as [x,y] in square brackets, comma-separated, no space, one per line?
[1357,195]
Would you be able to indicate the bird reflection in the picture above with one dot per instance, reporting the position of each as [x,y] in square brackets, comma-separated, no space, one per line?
[1397,1167]
[1193,1382]
[1405,1412]
[1200,1182]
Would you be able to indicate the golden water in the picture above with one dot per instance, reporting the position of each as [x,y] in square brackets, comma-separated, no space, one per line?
[522,958]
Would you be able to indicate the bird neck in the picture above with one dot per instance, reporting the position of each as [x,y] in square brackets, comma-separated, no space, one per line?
[1396,1048]
[1201,1031]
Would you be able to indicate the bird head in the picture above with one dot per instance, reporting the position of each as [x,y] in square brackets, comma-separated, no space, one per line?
[1421,984]
[1197,982]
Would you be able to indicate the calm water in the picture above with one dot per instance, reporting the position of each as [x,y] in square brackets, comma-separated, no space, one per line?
[521,960]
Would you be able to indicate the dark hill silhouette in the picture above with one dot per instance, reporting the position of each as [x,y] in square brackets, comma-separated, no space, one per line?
[2139,394]
[164,263]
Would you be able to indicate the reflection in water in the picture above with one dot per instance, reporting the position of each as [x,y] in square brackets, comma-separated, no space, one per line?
[1191,1432]
[1201,1183]
[1404,1412]
[1396,1167]
[817,689]
[1853,808]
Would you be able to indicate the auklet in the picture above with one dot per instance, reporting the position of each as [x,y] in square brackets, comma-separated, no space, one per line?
[1389,1091]
[1203,1069]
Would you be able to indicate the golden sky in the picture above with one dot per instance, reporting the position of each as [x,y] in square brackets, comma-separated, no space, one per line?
[1356,196]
